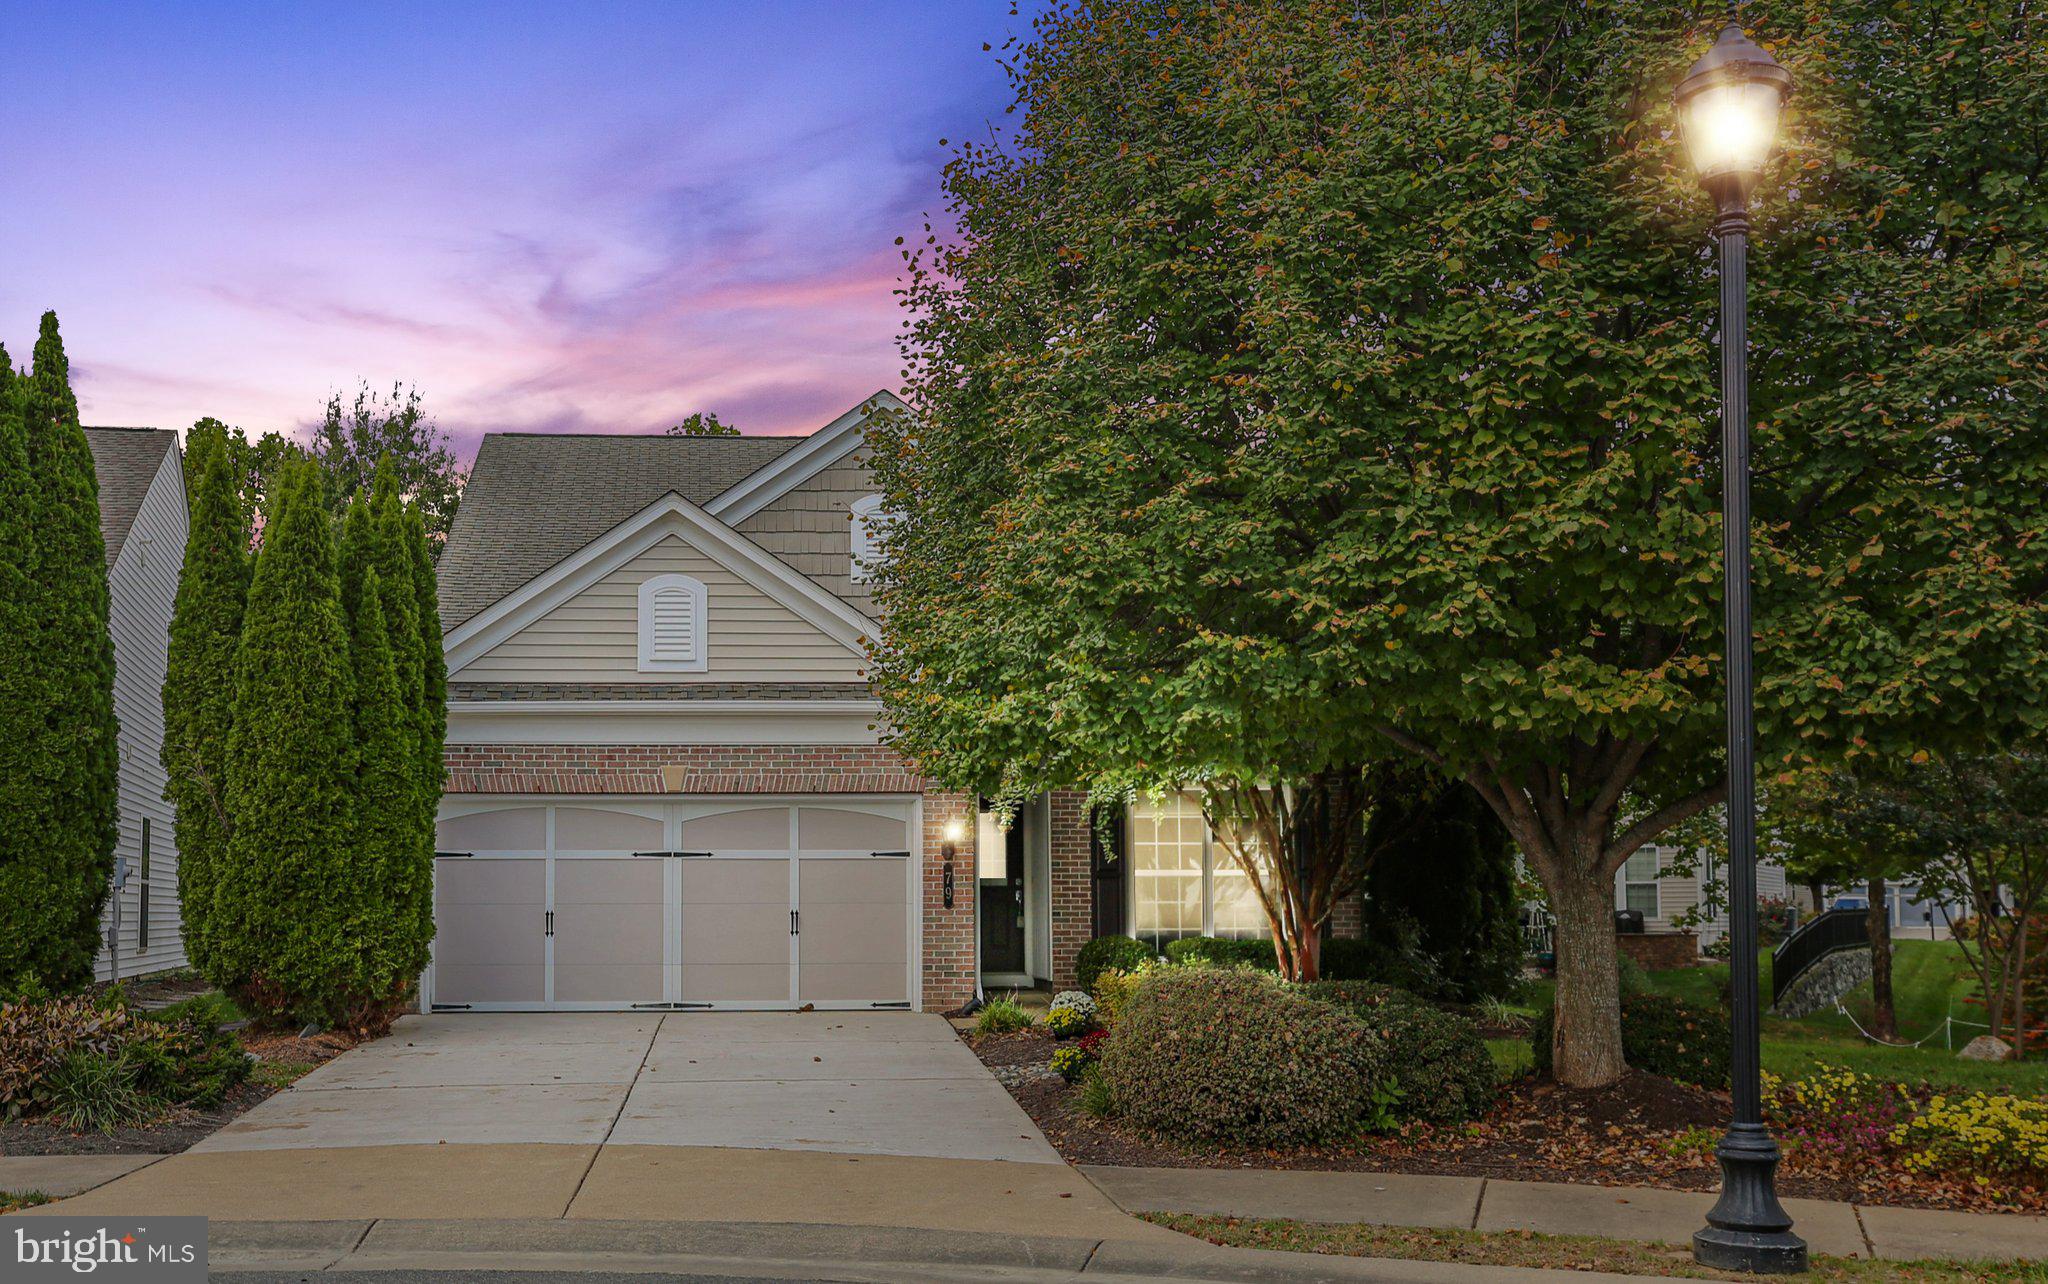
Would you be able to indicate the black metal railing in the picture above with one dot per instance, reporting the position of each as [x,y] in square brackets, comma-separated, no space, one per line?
[1824,934]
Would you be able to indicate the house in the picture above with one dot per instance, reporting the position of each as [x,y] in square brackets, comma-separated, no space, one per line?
[1912,917]
[1680,917]
[142,520]
[667,786]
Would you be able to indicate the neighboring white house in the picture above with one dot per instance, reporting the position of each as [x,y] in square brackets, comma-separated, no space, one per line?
[143,519]
[1670,898]
[1912,918]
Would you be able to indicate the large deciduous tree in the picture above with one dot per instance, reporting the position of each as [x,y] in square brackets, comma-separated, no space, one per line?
[199,676]
[355,438]
[1301,368]
[59,757]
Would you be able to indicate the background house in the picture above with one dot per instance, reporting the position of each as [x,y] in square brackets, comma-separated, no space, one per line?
[143,520]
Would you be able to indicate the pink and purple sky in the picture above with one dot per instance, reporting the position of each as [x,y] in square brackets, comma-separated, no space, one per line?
[575,216]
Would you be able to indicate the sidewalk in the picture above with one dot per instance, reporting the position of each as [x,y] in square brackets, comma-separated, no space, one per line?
[60,1175]
[1613,1212]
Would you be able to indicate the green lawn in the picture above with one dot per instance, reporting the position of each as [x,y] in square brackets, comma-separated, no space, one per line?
[1930,980]
[1513,1058]
[1558,1252]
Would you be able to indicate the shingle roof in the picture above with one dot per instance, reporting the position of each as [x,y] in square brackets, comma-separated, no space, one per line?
[126,461]
[534,498]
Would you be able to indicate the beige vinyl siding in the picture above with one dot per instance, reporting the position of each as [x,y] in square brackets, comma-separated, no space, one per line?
[142,587]
[1679,892]
[810,527]
[594,636]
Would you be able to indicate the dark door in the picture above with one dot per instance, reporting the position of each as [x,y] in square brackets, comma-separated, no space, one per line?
[1106,865]
[1002,908]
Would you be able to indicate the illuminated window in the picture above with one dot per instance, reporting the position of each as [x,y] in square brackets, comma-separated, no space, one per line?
[1184,882]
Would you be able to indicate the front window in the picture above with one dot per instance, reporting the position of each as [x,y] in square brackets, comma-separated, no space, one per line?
[1183,881]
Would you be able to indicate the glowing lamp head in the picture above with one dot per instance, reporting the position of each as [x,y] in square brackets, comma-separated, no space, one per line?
[1728,106]
[954,831]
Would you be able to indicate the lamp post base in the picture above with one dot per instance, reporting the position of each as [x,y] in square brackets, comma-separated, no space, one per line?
[1782,1253]
[1748,1229]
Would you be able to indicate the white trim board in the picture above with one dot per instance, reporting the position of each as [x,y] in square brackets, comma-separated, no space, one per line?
[669,515]
[793,468]
[665,722]
[759,707]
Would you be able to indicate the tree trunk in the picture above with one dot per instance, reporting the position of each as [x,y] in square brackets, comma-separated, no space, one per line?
[2019,983]
[1586,1045]
[1884,1016]
[1302,848]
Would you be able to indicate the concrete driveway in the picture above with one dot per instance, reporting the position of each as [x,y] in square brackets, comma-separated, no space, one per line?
[892,1083]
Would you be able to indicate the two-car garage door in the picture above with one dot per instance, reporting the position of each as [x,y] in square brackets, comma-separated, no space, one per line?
[718,903]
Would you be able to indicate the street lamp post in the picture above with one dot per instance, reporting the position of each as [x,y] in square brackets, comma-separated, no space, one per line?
[1728,106]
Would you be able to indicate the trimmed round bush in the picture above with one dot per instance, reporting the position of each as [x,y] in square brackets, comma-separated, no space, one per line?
[1122,953]
[1233,1058]
[1660,1035]
[1214,951]
[1439,1061]
[1114,988]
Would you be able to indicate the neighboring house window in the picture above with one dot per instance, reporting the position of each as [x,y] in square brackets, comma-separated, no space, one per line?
[869,518]
[1639,881]
[1184,882]
[672,623]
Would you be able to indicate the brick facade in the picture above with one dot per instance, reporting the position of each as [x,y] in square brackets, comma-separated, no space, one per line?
[1073,891]
[1660,950]
[678,769]
[949,945]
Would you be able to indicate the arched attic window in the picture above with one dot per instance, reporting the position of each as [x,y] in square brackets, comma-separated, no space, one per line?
[672,625]
[870,520]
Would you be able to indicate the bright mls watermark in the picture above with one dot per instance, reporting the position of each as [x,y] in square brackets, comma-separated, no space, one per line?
[161,1250]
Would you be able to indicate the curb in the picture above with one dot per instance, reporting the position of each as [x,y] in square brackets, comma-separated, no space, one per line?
[790,1250]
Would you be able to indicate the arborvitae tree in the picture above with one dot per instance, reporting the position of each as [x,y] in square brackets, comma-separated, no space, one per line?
[391,553]
[58,832]
[432,716]
[286,899]
[411,881]
[22,876]
[386,834]
[355,554]
[199,678]
[433,708]
[1440,912]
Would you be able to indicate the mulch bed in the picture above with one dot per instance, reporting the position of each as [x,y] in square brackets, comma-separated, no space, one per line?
[1642,1131]
[183,1127]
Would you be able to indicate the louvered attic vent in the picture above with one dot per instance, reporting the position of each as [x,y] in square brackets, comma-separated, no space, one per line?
[672,624]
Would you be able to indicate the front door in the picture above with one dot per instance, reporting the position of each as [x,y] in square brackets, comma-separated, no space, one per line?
[1002,905]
